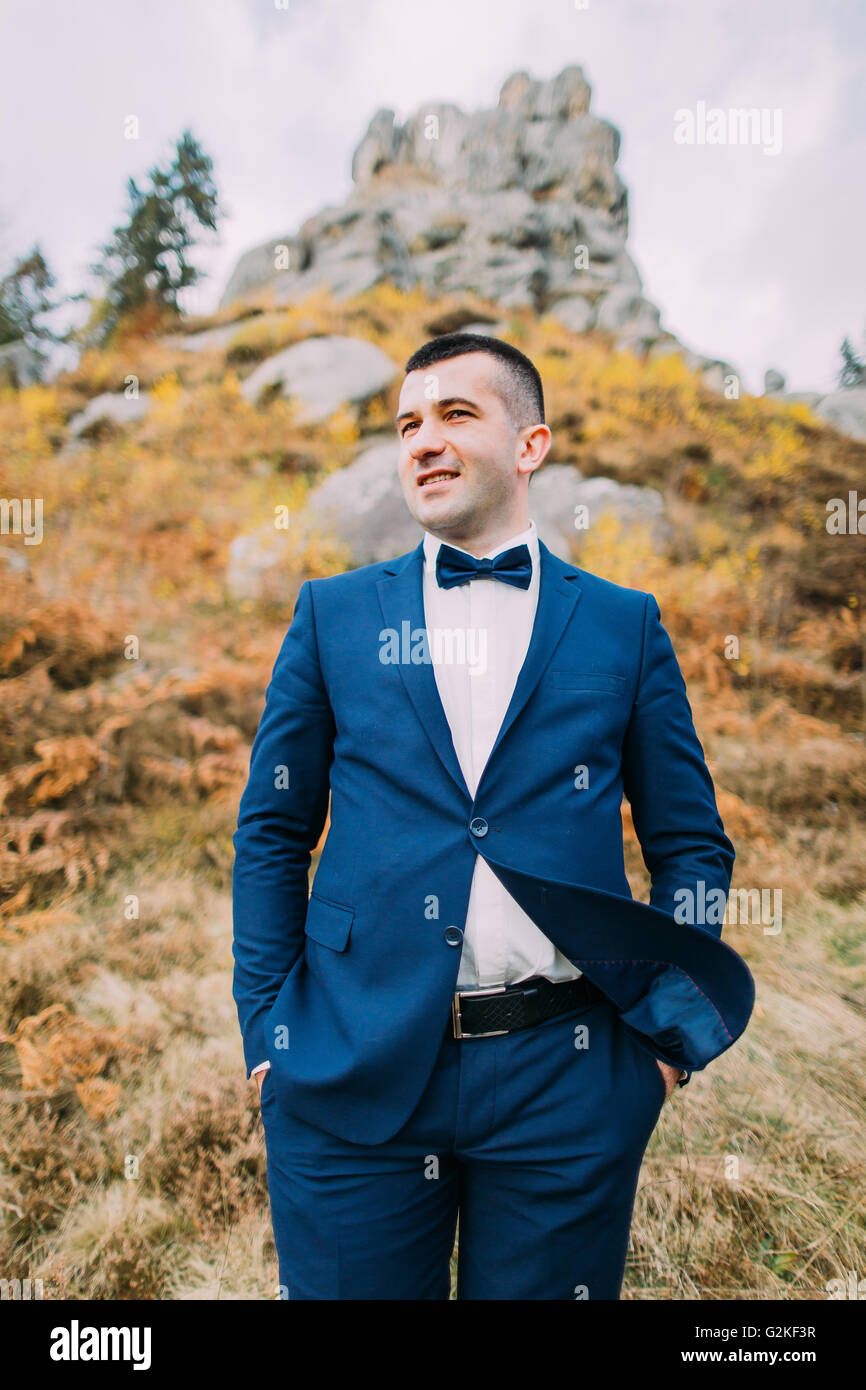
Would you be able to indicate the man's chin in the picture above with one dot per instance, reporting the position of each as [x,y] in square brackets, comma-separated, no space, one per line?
[437,514]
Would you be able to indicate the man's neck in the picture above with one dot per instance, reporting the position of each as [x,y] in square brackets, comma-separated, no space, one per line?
[479,544]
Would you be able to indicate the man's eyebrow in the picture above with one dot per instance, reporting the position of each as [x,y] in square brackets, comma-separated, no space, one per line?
[442,405]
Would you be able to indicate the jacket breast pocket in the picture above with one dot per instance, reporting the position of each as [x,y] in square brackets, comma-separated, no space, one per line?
[329,923]
[589,680]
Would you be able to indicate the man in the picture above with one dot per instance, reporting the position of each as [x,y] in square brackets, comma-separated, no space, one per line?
[471,1015]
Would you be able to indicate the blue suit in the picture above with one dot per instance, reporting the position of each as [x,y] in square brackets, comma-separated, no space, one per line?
[348,994]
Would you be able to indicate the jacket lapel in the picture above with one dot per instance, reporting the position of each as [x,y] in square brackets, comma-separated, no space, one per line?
[558,595]
[401,598]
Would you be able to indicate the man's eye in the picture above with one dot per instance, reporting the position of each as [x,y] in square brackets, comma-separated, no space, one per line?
[458,410]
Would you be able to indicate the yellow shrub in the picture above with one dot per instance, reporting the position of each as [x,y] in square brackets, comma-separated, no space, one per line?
[342,426]
[783,456]
[167,391]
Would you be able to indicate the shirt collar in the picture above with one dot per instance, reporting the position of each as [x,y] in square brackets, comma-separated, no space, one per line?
[530,536]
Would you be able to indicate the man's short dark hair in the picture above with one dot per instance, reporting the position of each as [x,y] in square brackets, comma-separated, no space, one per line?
[516,381]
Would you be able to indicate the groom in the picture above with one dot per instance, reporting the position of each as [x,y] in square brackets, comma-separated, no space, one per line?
[470,1015]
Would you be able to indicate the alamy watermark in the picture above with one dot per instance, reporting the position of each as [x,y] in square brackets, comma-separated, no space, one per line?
[22,516]
[21,1290]
[738,125]
[77,1343]
[449,646]
[704,906]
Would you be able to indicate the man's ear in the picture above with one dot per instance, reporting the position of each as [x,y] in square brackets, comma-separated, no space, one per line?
[536,446]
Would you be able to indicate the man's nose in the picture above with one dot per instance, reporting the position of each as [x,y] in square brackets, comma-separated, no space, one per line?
[427,439]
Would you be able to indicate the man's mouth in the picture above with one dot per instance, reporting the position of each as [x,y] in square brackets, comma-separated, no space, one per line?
[442,475]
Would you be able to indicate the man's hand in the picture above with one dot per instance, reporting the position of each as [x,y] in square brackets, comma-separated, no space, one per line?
[260,1076]
[671,1076]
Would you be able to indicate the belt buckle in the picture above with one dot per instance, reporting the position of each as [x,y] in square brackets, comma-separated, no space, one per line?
[456,1021]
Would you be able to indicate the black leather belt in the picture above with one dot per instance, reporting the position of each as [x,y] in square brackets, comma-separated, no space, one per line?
[486,1013]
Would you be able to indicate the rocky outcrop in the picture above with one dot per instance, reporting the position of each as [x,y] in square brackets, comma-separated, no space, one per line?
[521,204]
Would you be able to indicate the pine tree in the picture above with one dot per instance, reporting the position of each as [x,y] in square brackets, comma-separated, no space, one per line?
[853,369]
[145,264]
[24,298]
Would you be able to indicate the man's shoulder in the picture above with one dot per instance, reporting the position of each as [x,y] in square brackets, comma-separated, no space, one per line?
[365,576]
[606,592]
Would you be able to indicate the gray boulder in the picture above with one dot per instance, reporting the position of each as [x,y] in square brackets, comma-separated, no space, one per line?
[19,364]
[809,398]
[362,505]
[258,564]
[845,410]
[557,492]
[109,408]
[210,338]
[322,373]
[13,561]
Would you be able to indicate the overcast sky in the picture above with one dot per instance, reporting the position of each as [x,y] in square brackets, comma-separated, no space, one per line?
[752,257]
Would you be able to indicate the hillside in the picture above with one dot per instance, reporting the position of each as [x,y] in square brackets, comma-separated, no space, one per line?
[131,1158]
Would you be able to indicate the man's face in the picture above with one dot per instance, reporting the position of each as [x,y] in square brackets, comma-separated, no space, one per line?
[450,420]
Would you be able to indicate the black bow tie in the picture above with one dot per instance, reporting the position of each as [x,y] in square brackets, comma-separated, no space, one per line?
[512,566]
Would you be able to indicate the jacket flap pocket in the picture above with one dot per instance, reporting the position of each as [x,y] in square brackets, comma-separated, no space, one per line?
[589,680]
[328,923]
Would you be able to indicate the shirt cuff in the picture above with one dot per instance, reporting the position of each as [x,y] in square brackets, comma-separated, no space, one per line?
[262,1066]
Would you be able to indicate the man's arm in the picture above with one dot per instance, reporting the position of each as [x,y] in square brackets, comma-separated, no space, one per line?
[668,784]
[280,820]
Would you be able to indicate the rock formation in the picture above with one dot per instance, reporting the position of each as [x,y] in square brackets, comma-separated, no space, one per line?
[521,204]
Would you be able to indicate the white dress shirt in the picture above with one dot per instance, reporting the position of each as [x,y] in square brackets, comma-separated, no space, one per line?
[501,944]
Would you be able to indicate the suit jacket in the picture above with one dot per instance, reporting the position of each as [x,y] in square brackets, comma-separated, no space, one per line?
[347,991]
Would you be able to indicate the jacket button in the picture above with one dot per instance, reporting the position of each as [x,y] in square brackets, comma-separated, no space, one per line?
[479,826]
[453,935]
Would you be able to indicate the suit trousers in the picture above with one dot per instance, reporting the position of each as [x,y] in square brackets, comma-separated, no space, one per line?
[535,1138]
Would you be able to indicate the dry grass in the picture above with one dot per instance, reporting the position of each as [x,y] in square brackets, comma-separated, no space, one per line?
[132,1158]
